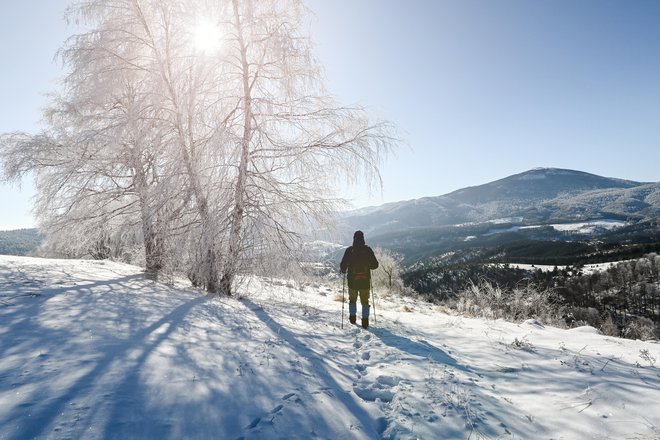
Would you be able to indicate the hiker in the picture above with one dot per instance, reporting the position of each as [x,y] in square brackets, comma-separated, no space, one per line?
[359,260]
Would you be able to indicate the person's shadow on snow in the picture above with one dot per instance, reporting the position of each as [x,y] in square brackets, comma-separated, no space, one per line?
[417,348]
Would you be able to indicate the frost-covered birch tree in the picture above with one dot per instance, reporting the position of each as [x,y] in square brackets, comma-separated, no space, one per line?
[99,166]
[124,129]
[204,123]
[388,274]
[290,140]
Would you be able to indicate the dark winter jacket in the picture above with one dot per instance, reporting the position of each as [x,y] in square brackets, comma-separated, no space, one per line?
[359,260]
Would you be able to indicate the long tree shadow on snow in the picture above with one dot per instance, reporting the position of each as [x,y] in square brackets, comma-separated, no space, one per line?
[418,348]
[26,300]
[372,427]
[110,351]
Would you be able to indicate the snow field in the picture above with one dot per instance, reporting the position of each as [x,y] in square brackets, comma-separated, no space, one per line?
[92,350]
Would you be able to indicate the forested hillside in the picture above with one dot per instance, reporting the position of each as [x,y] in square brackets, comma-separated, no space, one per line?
[620,299]
[19,241]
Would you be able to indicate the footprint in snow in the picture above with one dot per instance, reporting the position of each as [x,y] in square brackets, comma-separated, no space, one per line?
[254,423]
[366,356]
[287,397]
[374,391]
[391,381]
[381,390]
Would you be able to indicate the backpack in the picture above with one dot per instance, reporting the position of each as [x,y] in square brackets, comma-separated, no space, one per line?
[359,260]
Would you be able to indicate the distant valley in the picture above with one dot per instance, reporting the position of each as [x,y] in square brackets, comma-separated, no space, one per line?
[541,216]
[545,215]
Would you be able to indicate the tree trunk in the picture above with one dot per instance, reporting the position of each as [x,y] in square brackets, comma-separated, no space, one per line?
[153,249]
[236,224]
[154,252]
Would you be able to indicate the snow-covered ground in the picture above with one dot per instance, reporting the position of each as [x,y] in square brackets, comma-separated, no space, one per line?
[90,349]
[588,227]
[586,269]
[585,228]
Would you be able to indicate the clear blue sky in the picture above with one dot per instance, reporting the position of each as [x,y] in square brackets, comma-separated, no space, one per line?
[478,89]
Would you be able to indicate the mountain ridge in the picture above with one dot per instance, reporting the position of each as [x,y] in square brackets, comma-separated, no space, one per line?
[512,196]
[522,208]
[532,174]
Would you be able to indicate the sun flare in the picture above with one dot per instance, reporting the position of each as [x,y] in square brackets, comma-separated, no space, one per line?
[207,37]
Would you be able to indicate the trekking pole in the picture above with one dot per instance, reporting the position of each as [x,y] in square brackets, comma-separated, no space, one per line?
[373,300]
[343,290]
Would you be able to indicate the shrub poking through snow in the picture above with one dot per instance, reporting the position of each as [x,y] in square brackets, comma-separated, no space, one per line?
[488,300]
[644,354]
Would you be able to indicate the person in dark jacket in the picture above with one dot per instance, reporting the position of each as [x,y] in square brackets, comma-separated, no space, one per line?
[359,260]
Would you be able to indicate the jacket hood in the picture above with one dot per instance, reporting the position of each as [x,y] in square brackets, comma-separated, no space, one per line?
[358,238]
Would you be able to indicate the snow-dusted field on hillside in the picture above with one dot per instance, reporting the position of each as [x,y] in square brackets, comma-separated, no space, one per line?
[90,349]
[586,269]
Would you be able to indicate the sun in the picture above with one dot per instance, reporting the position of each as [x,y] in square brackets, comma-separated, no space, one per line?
[207,37]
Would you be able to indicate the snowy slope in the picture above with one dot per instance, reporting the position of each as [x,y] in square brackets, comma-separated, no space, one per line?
[93,350]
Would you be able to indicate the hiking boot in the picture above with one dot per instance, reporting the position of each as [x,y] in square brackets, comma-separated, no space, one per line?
[352,319]
[365,322]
